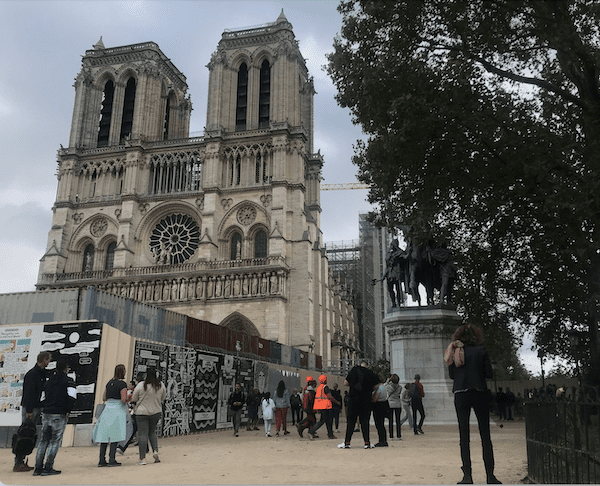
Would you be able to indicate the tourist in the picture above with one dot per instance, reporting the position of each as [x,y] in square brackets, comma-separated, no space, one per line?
[149,396]
[469,366]
[131,409]
[381,410]
[31,408]
[336,407]
[416,394]
[268,411]
[60,397]
[253,402]
[394,391]
[296,406]
[111,427]
[361,381]
[406,406]
[308,402]
[236,402]
[282,405]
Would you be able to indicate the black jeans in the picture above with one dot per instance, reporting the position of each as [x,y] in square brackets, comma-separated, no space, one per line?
[417,406]
[395,413]
[478,401]
[380,412]
[326,419]
[362,412]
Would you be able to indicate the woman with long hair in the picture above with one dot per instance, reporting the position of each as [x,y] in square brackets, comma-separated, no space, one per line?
[148,396]
[469,366]
[282,404]
[111,427]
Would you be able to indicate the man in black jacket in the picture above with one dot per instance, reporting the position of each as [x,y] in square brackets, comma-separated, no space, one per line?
[33,386]
[60,398]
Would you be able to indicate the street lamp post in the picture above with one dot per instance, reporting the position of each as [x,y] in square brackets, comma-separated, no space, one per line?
[541,356]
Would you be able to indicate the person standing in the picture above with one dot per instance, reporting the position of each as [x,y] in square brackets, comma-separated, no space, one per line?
[469,365]
[268,411]
[111,427]
[149,396]
[336,407]
[501,404]
[282,404]
[510,404]
[381,410]
[416,394]
[361,381]
[253,402]
[33,386]
[308,402]
[60,397]
[394,390]
[405,397]
[236,402]
[131,409]
[323,403]
[296,406]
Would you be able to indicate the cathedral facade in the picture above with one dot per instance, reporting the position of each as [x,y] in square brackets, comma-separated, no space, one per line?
[223,227]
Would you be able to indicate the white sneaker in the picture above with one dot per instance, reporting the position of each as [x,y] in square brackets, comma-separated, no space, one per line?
[142,463]
[343,445]
[155,455]
[120,451]
[369,446]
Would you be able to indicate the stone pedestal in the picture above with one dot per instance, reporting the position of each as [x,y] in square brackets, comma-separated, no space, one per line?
[418,337]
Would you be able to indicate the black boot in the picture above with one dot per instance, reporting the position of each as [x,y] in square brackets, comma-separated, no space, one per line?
[467,478]
[491,479]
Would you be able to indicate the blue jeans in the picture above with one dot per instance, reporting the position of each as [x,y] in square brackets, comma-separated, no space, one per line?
[53,428]
[37,412]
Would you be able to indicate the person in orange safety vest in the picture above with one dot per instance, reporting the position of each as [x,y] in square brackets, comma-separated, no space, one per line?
[323,404]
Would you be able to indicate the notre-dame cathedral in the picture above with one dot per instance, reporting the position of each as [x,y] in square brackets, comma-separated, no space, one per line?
[223,227]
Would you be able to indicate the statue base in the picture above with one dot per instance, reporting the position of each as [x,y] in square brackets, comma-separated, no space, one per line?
[418,337]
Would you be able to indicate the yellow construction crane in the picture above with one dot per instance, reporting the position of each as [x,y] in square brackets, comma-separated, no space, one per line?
[344,186]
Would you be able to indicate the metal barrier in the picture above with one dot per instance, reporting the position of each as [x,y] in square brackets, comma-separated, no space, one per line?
[563,435]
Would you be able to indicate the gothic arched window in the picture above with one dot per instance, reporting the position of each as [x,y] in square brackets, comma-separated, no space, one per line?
[236,246]
[88,259]
[242,98]
[260,244]
[167,119]
[110,256]
[106,114]
[128,106]
[264,99]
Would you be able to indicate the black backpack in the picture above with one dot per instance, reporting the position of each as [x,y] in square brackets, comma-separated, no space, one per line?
[413,391]
[23,442]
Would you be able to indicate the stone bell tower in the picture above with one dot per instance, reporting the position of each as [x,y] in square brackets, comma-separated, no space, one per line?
[223,227]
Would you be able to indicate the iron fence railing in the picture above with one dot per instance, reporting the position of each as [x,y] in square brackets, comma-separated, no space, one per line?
[563,435]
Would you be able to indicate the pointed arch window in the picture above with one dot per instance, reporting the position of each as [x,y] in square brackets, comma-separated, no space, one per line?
[167,119]
[110,256]
[106,114]
[88,259]
[260,244]
[236,246]
[264,99]
[242,98]
[128,107]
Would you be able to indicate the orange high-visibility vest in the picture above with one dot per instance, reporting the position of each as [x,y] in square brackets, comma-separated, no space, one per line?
[321,400]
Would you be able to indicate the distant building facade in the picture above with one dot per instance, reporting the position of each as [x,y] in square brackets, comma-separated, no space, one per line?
[223,227]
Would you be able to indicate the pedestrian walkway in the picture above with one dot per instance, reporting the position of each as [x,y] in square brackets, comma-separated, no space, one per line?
[252,458]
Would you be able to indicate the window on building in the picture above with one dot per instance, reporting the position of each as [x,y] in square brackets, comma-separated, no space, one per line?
[128,106]
[110,256]
[260,244]
[88,258]
[167,116]
[236,246]
[258,169]
[242,98]
[105,114]
[264,99]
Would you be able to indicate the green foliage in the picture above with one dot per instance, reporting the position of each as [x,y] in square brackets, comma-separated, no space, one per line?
[483,125]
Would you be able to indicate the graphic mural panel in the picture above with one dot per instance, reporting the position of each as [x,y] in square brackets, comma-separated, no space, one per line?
[206,392]
[181,369]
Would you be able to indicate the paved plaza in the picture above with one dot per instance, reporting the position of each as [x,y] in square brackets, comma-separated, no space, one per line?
[252,458]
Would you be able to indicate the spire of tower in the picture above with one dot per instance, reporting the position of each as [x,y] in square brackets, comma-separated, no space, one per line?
[281,18]
[99,45]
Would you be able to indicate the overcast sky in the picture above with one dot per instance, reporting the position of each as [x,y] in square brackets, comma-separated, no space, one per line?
[42,43]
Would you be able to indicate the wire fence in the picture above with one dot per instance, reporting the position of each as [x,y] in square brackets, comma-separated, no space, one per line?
[563,435]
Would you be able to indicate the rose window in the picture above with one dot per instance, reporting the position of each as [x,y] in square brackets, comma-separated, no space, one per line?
[175,239]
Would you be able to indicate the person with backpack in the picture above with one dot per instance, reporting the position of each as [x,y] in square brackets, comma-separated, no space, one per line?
[60,398]
[381,410]
[416,394]
[308,401]
[31,409]
[296,406]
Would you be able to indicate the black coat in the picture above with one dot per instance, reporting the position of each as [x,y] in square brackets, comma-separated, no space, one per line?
[472,375]
[61,394]
[33,386]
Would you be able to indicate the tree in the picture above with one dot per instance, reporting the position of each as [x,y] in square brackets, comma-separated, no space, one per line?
[483,125]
